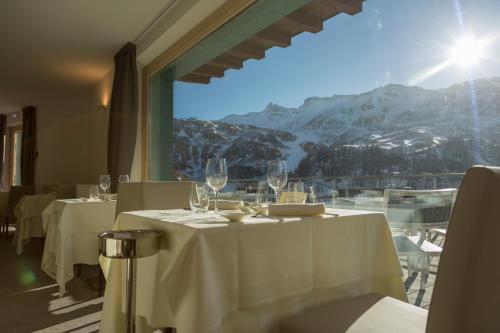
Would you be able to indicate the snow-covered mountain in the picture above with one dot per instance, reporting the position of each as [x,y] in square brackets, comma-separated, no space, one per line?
[405,129]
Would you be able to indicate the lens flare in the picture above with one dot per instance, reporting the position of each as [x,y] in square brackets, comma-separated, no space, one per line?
[467,51]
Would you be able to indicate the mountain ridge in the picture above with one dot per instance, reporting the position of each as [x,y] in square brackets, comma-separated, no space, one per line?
[406,127]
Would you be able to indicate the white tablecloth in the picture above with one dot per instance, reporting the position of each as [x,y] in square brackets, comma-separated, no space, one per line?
[216,276]
[28,213]
[71,227]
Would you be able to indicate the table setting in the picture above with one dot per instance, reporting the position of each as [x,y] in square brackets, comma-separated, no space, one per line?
[71,227]
[223,261]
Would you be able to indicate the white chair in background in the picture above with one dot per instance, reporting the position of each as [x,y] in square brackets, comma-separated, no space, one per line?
[153,195]
[466,295]
[417,211]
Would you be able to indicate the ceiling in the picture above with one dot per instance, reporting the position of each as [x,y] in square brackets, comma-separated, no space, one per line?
[59,45]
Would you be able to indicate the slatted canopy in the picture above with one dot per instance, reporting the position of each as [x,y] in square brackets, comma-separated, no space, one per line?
[308,18]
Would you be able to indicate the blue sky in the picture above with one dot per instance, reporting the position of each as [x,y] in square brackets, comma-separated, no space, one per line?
[390,41]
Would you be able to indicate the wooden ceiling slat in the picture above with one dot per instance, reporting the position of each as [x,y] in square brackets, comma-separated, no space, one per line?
[210,71]
[305,20]
[308,18]
[350,7]
[322,10]
[249,50]
[227,61]
[193,78]
[275,37]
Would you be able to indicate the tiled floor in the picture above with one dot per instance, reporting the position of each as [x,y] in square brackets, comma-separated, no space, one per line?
[29,299]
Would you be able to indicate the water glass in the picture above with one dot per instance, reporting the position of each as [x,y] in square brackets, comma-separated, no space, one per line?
[199,197]
[94,192]
[313,196]
[295,192]
[104,182]
[277,176]
[261,193]
[216,176]
[123,179]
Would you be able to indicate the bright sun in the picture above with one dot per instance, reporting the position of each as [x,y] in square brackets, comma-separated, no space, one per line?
[467,51]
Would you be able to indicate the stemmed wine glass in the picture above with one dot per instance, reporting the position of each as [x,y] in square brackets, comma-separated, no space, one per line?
[216,176]
[276,176]
[123,179]
[104,182]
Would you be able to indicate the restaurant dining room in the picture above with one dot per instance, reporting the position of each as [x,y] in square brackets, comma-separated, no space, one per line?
[250,166]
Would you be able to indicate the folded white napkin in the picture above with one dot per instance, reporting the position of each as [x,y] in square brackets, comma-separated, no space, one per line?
[296,209]
[226,204]
[89,199]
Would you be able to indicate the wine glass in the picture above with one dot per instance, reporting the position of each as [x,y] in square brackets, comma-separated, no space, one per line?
[276,176]
[199,197]
[216,176]
[104,182]
[93,192]
[123,179]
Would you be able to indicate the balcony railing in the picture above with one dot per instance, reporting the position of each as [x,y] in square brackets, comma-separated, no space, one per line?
[348,186]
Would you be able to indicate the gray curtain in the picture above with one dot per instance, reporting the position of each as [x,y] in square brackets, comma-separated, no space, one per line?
[3,131]
[28,146]
[123,112]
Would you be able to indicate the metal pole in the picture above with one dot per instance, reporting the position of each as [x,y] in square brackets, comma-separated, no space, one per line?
[130,295]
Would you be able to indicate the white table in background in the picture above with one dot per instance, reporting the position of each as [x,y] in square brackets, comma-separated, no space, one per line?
[71,228]
[28,213]
[215,276]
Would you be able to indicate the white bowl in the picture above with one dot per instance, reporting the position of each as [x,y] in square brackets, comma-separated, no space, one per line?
[234,215]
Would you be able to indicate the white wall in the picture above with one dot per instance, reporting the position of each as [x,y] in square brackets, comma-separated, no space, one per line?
[98,128]
[71,133]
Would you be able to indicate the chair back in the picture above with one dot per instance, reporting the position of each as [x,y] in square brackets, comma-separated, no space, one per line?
[65,191]
[466,295]
[15,194]
[153,195]
[82,190]
[419,206]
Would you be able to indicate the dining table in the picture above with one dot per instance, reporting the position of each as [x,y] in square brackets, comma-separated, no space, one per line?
[212,275]
[28,214]
[71,227]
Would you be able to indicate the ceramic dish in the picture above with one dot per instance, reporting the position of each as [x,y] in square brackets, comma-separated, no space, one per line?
[234,215]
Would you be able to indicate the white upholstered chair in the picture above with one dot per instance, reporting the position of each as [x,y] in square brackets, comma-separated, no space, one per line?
[65,191]
[466,295]
[153,195]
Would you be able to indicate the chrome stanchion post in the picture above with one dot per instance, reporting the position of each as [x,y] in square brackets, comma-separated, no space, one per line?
[130,245]
[130,296]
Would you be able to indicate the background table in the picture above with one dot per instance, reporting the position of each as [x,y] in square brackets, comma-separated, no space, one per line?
[28,213]
[215,276]
[71,228]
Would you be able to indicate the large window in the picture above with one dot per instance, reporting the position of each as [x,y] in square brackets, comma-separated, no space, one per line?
[403,95]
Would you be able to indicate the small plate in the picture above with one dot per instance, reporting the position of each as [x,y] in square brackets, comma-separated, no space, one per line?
[234,215]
